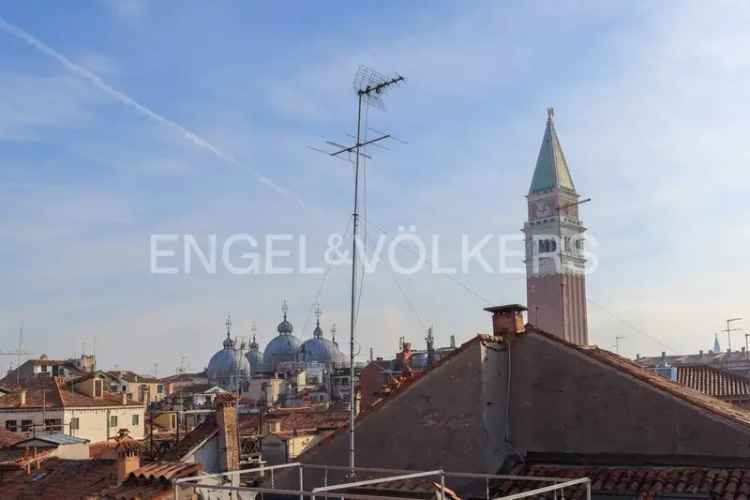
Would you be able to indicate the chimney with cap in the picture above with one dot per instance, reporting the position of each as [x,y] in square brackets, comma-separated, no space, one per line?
[507,320]
[226,418]
[128,456]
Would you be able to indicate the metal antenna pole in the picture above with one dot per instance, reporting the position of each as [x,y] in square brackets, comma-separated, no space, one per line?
[729,331]
[370,87]
[352,318]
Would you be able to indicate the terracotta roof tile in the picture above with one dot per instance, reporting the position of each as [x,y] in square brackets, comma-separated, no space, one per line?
[52,392]
[60,480]
[166,471]
[8,438]
[713,381]
[634,481]
[308,420]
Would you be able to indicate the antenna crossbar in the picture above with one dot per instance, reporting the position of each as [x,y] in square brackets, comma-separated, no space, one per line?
[356,146]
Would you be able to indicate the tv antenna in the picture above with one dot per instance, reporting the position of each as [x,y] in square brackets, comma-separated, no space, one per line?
[369,87]
[730,330]
[18,353]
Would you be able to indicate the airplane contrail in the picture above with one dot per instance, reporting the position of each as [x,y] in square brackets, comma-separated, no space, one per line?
[97,82]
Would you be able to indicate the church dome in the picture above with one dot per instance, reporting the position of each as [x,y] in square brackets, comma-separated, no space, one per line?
[228,364]
[283,347]
[319,349]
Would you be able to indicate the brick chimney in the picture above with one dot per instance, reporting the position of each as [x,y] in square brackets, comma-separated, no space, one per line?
[128,456]
[226,418]
[507,319]
[22,397]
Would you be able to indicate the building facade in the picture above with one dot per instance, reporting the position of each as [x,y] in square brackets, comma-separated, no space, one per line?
[81,408]
[555,263]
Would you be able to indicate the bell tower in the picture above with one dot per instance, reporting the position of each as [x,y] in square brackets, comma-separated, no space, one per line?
[555,264]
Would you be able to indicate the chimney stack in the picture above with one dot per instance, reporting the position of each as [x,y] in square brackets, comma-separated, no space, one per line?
[124,398]
[226,418]
[22,396]
[128,456]
[507,319]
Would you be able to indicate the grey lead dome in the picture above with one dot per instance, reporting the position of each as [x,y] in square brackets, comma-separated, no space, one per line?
[227,364]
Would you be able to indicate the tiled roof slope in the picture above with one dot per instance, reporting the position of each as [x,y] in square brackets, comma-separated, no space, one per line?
[636,482]
[705,402]
[723,357]
[8,438]
[51,392]
[300,421]
[205,430]
[713,381]
[130,376]
[152,481]
[60,479]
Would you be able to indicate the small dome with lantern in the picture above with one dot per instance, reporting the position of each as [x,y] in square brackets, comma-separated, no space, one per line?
[228,365]
[283,347]
[319,349]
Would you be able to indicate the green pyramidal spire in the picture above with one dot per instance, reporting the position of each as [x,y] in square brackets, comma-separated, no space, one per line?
[551,168]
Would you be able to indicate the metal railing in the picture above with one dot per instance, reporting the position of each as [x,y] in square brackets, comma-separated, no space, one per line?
[558,485]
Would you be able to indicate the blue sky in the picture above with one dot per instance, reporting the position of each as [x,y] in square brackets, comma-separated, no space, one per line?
[652,110]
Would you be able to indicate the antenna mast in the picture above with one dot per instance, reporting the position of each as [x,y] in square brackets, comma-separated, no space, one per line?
[730,330]
[369,87]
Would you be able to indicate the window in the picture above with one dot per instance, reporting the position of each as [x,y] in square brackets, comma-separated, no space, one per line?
[113,420]
[136,420]
[44,368]
[11,425]
[97,388]
[74,424]
[160,389]
[174,421]
[53,425]
[547,246]
[26,425]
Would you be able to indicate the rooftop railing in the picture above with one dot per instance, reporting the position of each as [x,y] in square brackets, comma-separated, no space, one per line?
[343,489]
